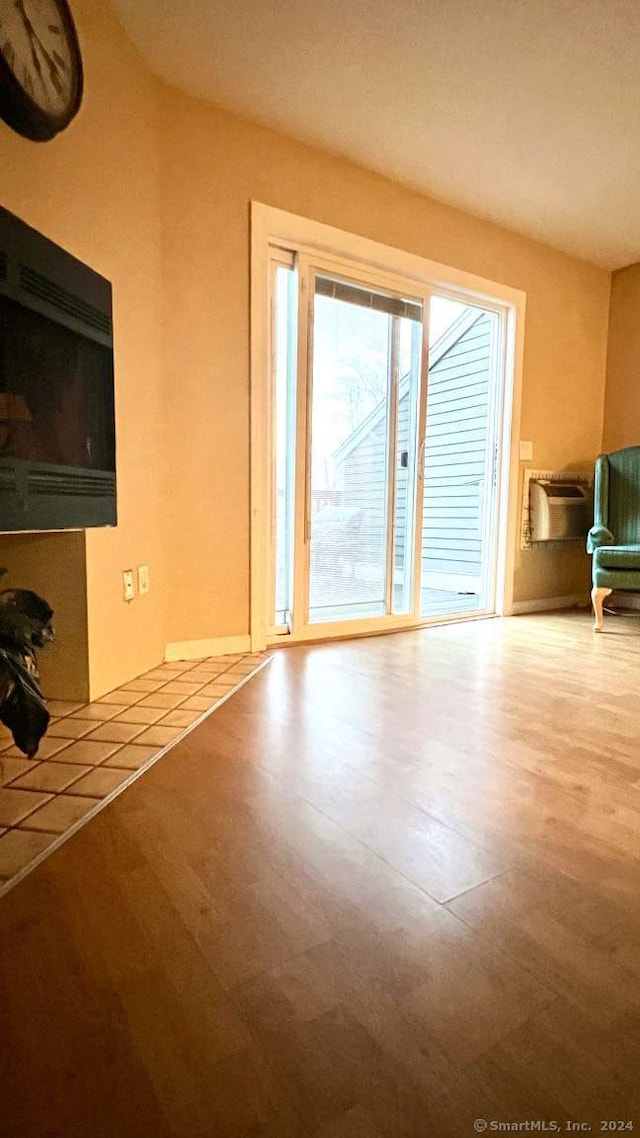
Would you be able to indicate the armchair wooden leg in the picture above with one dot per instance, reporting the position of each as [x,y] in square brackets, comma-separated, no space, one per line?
[597,598]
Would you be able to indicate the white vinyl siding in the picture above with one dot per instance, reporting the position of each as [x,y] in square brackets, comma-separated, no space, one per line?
[455,457]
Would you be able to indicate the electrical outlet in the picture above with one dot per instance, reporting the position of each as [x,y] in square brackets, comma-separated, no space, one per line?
[143,579]
[127,585]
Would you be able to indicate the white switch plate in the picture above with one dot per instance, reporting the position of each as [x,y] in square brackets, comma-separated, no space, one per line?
[526,451]
[127,585]
[143,579]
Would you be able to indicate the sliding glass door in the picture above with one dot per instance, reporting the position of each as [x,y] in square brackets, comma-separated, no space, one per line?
[384,441]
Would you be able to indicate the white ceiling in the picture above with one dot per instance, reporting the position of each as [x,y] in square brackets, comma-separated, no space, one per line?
[526,112]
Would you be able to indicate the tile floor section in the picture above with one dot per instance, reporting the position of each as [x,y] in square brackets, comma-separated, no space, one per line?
[91,751]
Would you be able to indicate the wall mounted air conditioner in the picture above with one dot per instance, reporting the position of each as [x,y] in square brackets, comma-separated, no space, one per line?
[558,511]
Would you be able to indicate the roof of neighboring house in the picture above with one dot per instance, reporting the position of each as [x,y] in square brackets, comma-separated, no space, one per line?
[443,344]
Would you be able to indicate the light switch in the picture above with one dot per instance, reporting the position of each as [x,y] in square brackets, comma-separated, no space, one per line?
[143,579]
[526,451]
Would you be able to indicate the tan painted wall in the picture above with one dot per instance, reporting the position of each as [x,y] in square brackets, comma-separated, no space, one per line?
[53,565]
[95,191]
[153,189]
[213,165]
[622,404]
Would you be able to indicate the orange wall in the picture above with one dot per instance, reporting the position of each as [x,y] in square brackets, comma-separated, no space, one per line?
[153,189]
[213,165]
[622,405]
[95,190]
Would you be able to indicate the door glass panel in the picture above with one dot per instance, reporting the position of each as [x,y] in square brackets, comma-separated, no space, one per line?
[361,339]
[459,459]
[349,416]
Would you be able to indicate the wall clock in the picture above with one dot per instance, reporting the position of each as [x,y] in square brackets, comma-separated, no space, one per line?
[40,67]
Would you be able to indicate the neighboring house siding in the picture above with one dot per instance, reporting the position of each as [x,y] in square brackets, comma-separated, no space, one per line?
[457,407]
[402,477]
[455,456]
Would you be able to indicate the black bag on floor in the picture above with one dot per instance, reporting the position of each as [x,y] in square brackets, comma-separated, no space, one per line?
[25,624]
[23,711]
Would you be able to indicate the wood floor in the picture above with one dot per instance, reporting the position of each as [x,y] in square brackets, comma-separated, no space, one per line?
[389,888]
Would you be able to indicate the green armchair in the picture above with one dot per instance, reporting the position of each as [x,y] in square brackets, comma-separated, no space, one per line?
[614,538]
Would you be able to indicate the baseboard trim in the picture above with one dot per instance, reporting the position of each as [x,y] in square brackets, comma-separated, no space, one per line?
[198,649]
[547,604]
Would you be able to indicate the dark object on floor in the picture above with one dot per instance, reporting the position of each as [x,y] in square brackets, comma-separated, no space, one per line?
[25,624]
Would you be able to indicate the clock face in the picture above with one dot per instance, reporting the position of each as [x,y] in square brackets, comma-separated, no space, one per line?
[40,66]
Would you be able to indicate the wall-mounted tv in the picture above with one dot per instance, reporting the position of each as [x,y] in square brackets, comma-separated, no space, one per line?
[57,424]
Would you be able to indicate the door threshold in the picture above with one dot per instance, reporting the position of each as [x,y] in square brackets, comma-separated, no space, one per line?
[360,634]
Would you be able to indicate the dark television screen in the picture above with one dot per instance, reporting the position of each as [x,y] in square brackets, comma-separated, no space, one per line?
[56,393]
